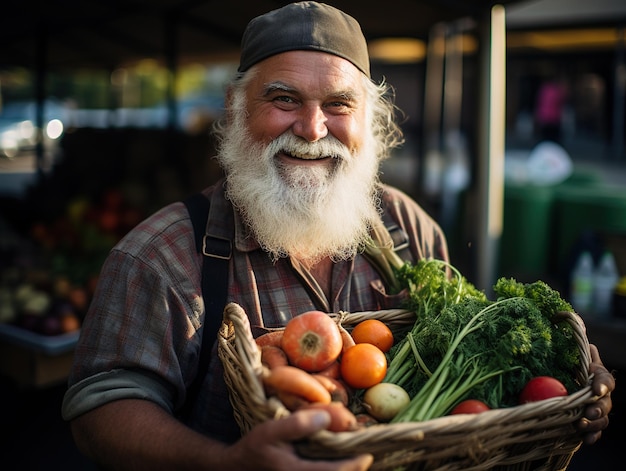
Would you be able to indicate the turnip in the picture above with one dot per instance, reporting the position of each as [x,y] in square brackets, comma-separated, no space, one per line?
[384,400]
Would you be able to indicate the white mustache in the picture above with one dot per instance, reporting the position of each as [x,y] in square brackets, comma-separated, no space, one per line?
[295,146]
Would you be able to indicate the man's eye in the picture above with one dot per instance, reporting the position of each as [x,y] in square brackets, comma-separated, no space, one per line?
[338,105]
[284,99]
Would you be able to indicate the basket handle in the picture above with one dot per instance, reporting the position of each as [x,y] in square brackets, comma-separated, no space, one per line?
[241,358]
[244,341]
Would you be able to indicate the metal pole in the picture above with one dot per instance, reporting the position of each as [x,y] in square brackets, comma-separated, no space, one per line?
[432,164]
[40,96]
[491,147]
[171,25]
[618,98]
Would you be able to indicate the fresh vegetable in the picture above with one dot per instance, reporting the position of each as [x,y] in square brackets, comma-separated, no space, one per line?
[341,418]
[363,366]
[470,406]
[69,322]
[312,341]
[338,391]
[373,331]
[541,387]
[272,356]
[365,420]
[383,401]
[463,345]
[333,371]
[291,401]
[455,374]
[346,338]
[272,338]
[293,380]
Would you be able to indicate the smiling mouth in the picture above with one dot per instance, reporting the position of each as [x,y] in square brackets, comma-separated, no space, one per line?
[307,157]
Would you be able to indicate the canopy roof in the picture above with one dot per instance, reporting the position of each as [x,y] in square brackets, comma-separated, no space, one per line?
[107,33]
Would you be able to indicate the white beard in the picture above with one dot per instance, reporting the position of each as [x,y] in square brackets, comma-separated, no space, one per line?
[301,211]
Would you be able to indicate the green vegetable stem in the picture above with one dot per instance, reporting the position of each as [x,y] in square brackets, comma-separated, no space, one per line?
[454,377]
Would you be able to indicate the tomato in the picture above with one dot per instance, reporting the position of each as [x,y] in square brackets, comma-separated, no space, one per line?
[363,366]
[542,387]
[312,341]
[375,332]
[470,406]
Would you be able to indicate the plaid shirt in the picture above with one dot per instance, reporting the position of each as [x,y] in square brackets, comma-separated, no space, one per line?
[141,337]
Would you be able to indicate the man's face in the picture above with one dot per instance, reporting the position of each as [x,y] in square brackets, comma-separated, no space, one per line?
[311,94]
[300,156]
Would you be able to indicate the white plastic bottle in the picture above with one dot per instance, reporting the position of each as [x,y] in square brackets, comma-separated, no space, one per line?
[581,283]
[605,279]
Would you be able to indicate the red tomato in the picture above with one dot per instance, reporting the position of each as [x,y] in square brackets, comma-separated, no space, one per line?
[542,387]
[312,341]
[470,406]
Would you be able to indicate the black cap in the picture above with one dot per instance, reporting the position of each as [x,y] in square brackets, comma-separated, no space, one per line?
[310,26]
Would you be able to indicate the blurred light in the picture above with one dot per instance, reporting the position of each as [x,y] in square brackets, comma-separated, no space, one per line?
[26,131]
[468,43]
[574,39]
[54,129]
[119,77]
[464,43]
[397,50]
[9,143]
[147,66]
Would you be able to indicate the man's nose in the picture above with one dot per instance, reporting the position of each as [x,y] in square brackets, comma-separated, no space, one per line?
[311,123]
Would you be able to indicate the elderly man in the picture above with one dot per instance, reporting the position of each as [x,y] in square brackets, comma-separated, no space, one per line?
[300,144]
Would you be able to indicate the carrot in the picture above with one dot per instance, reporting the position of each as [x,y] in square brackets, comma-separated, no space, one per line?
[341,418]
[272,338]
[295,381]
[272,356]
[333,371]
[338,392]
[291,401]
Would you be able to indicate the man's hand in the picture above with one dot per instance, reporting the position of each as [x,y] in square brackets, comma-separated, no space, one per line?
[269,446]
[596,417]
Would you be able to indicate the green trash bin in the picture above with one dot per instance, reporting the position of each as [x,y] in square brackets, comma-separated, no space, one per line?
[597,208]
[526,232]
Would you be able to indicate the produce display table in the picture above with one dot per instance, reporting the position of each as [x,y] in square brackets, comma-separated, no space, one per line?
[34,360]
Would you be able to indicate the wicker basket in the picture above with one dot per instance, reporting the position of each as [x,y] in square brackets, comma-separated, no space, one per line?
[535,436]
